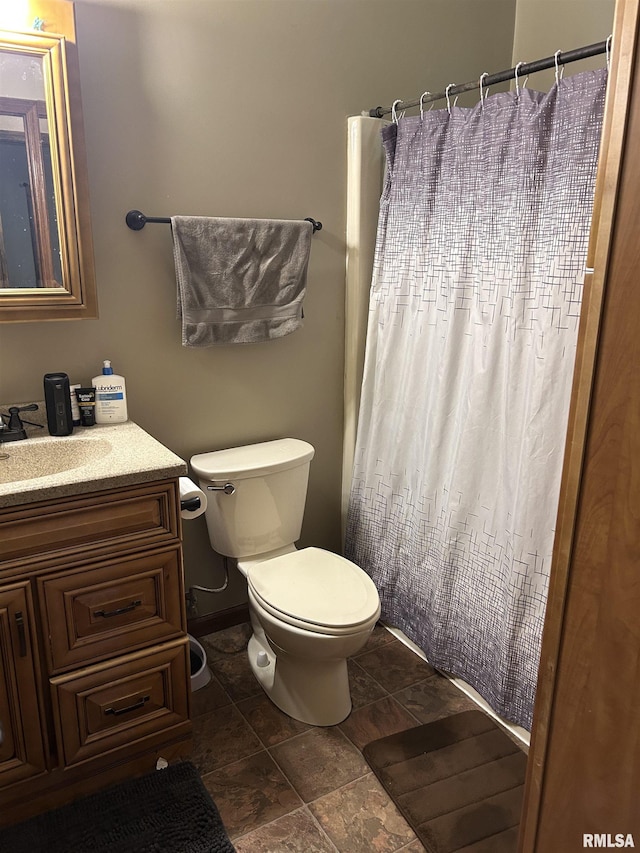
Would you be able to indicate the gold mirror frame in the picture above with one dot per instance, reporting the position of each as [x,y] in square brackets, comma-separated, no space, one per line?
[75,296]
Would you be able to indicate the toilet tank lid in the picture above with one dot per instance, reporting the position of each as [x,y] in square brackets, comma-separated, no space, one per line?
[252,459]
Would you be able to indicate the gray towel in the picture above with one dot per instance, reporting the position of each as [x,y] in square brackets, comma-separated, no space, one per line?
[239,280]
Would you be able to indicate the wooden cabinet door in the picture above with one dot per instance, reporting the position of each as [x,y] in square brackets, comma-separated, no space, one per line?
[21,747]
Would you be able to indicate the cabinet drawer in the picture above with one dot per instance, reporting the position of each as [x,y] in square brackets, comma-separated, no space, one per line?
[112,608]
[119,703]
[75,527]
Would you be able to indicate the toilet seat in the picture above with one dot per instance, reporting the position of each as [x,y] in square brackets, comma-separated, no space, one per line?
[315,590]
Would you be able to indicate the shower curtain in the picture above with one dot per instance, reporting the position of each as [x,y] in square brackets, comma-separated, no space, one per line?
[473,317]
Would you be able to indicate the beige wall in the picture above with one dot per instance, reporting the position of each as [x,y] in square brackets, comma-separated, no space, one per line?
[545,26]
[236,108]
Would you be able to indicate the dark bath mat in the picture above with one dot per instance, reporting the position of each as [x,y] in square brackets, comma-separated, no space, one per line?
[166,811]
[458,782]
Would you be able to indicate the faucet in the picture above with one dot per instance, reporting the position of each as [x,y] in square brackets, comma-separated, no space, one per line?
[14,430]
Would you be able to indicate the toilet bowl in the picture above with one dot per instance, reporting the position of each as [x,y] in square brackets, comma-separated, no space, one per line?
[310,609]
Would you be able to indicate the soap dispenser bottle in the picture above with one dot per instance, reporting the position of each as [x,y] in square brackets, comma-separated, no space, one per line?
[111,396]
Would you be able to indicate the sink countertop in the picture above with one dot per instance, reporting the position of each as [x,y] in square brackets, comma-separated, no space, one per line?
[134,457]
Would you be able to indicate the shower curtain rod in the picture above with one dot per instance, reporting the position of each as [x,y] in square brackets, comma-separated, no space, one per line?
[136,220]
[523,69]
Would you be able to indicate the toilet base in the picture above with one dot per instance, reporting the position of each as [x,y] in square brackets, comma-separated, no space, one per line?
[314,692]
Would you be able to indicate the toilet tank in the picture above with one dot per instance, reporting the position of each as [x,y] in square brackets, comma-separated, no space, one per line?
[266,509]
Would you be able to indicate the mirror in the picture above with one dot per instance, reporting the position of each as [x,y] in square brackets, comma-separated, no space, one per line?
[46,252]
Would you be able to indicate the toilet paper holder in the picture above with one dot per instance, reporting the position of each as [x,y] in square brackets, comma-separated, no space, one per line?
[190,504]
[193,501]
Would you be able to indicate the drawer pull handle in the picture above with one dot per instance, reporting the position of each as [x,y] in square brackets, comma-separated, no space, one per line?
[139,704]
[22,636]
[107,613]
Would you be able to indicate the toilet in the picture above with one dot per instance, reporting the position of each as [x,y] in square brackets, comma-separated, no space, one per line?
[310,609]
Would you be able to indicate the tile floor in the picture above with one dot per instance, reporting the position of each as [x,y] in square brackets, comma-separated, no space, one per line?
[281,785]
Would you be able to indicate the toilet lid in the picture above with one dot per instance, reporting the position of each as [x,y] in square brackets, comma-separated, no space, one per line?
[315,587]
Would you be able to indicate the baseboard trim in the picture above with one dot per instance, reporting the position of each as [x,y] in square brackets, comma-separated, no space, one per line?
[217,621]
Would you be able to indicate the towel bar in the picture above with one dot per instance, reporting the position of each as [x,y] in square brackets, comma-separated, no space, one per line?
[136,220]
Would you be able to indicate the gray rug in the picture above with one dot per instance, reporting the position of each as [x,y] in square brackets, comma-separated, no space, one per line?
[458,781]
[167,811]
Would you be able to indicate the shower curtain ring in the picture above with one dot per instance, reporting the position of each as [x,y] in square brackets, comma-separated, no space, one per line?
[482,94]
[450,86]
[608,49]
[422,96]
[394,114]
[559,72]
[516,75]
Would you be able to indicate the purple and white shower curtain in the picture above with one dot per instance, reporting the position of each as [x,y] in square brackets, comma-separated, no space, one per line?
[473,319]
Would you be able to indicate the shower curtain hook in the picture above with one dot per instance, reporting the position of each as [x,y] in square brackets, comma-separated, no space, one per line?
[447,97]
[608,49]
[517,86]
[482,95]
[423,95]
[559,72]
[394,114]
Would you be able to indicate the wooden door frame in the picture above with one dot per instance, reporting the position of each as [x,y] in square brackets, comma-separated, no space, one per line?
[623,85]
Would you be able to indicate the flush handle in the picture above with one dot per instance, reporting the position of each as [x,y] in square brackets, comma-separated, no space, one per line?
[228,489]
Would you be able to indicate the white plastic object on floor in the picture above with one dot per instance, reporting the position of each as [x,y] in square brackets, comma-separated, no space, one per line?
[202,675]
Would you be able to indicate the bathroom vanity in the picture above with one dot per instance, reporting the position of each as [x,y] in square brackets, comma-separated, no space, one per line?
[94,655]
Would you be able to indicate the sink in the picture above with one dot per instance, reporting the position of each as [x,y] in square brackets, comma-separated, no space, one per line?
[29,460]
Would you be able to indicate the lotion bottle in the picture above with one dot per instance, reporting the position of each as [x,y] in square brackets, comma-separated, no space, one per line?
[111,396]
